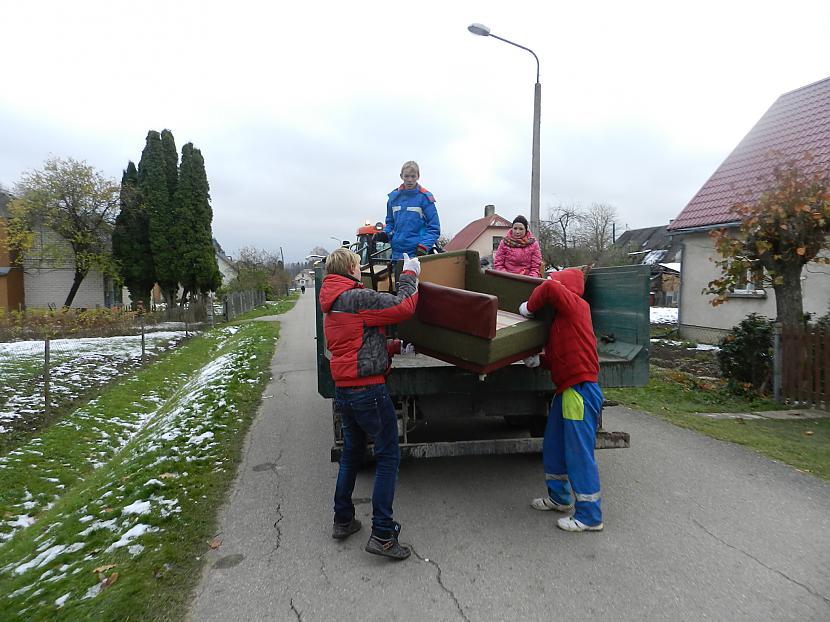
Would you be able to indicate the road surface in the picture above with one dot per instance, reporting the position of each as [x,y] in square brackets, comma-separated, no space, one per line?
[695,528]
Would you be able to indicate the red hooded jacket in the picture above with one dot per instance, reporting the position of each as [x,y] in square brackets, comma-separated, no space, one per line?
[353,326]
[571,350]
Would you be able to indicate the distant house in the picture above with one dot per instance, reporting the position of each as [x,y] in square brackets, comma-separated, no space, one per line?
[11,275]
[654,246]
[225,263]
[482,235]
[798,122]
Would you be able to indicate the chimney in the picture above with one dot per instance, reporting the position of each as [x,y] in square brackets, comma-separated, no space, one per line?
[489,210]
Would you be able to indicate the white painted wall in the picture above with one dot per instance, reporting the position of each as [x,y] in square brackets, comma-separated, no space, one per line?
[47,284]
[700,321]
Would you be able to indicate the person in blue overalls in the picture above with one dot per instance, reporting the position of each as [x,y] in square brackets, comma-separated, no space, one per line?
[412,223]
[570,354]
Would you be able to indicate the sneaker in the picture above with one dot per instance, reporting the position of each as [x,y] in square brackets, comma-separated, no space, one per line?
[545,504]
[390,548]
[344,530]
[569,523]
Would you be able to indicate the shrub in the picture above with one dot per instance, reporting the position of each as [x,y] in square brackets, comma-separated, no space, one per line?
[745,355]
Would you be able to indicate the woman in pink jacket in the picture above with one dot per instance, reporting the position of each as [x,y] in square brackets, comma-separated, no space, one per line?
[518,252]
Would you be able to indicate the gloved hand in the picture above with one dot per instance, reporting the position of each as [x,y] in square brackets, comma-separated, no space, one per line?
[531,361]
[411,263]
[523,310]
[421,250]
[408,349]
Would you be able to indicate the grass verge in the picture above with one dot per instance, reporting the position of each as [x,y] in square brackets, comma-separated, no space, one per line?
[122,537]
[271,307]
[804,444]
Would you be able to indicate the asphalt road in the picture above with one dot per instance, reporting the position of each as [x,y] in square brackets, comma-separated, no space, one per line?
[695,528]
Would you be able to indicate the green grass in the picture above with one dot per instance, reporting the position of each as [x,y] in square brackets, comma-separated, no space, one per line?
[804,444]
[183,461]
[272,307]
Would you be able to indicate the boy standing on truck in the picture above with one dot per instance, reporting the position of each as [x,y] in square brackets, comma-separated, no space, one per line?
[570,354]
[412,222]
[354,323]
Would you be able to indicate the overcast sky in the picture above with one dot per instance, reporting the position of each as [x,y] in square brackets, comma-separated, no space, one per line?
[304,111]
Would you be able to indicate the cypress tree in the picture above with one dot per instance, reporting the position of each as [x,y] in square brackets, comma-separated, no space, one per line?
[200,270]
[152,182]
[131,240]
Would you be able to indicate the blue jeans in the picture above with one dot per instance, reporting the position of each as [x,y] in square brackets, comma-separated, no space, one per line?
[367,412]
[571,470]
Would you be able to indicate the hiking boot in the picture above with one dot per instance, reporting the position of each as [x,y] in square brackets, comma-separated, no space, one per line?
[569,523]
[390,548]
[344,530]
[545,504]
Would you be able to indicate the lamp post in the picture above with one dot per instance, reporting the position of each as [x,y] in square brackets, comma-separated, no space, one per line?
[484,31]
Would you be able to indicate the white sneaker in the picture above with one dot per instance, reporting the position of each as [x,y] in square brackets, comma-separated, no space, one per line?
[569,523]
[545,504]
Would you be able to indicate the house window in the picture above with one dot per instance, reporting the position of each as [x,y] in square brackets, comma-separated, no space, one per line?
[496,240]
[750,285]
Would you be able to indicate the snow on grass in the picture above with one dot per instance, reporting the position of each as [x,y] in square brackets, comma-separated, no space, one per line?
[116,512]
[663,315]
[76,366]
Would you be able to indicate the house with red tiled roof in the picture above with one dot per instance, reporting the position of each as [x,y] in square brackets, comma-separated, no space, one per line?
[798,123]
[482,235]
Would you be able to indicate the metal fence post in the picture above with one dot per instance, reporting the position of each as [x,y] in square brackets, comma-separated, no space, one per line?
[777,363]
[46,396]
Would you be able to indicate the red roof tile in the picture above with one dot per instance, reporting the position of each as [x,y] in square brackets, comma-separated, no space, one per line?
[798,122]
[470,233]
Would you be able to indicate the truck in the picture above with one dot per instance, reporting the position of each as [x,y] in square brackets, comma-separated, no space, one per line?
[447,409]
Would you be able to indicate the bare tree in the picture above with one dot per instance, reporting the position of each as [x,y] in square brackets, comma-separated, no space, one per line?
[557,235]
[596,229]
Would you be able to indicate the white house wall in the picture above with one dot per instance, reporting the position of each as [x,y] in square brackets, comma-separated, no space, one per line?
[46,285]
[46,288]
[700,321]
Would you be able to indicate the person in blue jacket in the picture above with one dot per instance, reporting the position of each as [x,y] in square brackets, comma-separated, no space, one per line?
[411,217]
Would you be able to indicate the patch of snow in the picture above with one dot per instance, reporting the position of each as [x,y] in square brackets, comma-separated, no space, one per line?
[48,555]
[135,531]
[135,549]
[705,346]
[60,601]
[137,507]
[194,440]
[663,315]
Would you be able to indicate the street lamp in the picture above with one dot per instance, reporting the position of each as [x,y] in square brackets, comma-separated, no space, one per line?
[484,31]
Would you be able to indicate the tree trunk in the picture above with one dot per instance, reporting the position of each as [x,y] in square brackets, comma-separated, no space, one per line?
[76,283]
[788,299]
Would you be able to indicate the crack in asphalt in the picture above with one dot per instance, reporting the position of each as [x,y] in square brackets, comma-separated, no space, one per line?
[297,613]
[279,530]
[323,569]
[755,559]
[440,580]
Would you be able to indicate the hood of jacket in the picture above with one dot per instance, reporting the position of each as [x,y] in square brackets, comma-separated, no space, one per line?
[333,286]
[572,278]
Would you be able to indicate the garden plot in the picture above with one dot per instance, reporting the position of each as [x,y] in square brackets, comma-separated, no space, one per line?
[76,367]
[154,467]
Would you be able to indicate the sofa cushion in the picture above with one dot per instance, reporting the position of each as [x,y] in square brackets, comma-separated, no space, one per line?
[471,313]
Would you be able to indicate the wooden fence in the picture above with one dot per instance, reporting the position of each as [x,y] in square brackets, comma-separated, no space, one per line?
[802,366]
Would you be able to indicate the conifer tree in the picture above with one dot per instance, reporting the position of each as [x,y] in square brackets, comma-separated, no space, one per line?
[131,240]
[152,182]
[199,268]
